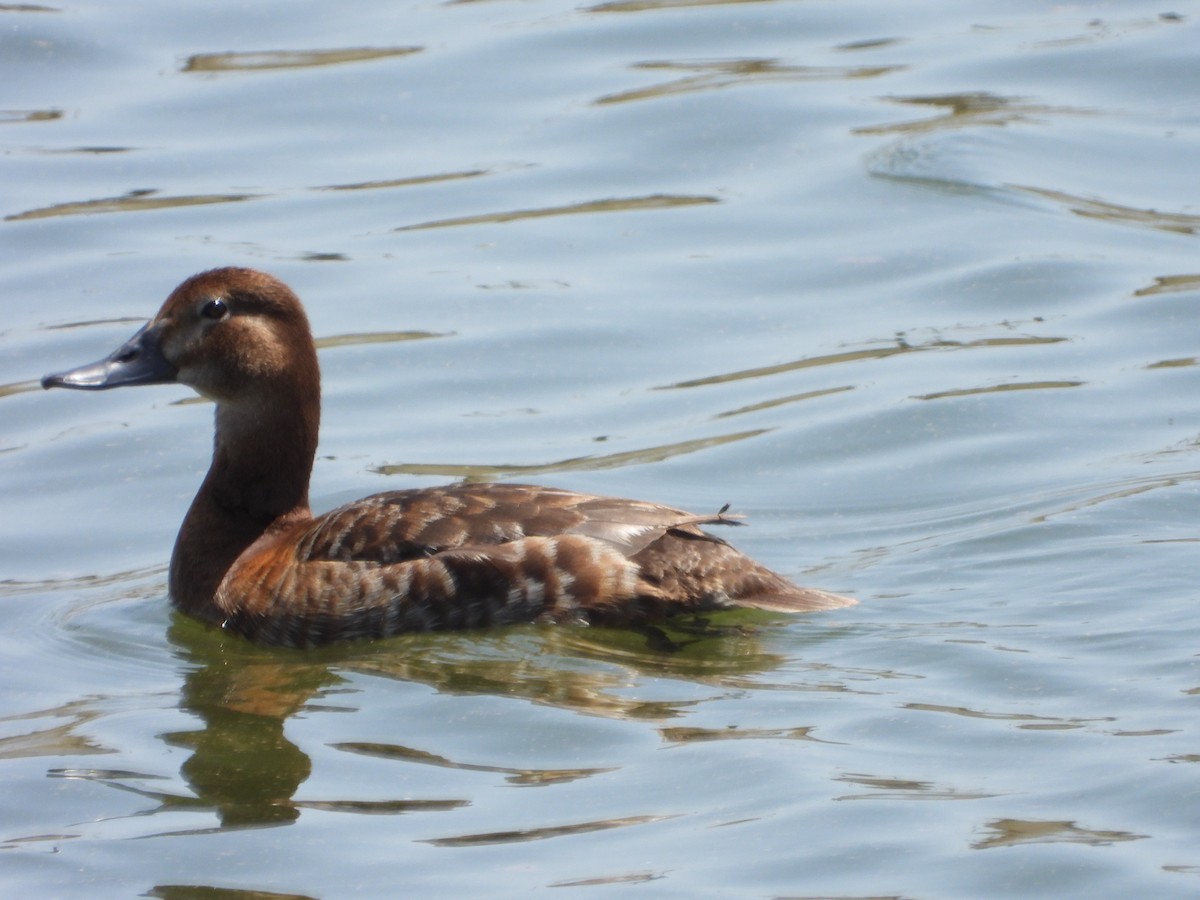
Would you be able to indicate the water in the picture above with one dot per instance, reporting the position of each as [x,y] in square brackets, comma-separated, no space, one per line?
[911,286]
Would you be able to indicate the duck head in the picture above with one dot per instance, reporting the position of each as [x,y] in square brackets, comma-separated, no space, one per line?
[236,336]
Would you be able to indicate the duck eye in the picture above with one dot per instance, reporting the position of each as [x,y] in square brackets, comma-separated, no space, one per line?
[214,309]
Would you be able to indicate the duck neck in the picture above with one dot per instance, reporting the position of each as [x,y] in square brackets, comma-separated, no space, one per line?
[257,483]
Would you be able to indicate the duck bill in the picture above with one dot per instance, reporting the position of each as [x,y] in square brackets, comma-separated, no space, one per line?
[138,361]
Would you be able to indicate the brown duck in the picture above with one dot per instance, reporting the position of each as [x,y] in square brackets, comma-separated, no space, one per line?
[251,557]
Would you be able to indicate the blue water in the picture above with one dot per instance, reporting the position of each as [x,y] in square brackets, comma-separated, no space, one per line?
[911,286]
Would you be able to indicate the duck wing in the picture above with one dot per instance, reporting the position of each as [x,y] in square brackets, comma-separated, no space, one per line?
[467,556]
[403,525]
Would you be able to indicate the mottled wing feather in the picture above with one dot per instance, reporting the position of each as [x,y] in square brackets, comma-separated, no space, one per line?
[403,525]
[553,579]
[631,526]
[698,573]
[475,555]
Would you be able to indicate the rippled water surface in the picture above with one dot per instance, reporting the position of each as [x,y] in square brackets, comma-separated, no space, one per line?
[913,286]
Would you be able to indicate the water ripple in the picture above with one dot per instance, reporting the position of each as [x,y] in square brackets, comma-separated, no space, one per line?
[1108,211]
[258,61]
[591,463]
[967,110]
[708,75]
[514,776]
[520,835]
[1010,832]
[624,204]
[900,346]
[134,201]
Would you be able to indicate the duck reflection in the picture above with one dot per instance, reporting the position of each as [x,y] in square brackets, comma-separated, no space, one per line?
[244,767]
[242,764]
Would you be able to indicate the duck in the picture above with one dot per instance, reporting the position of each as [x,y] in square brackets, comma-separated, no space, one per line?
[251,557]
